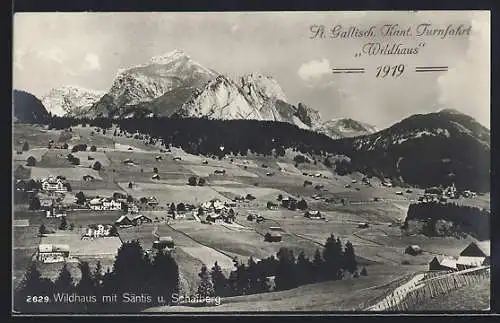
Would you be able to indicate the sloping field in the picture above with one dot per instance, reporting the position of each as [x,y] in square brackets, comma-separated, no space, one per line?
[74,173]
[344,295]
[35,135]
[258,192]
[97,155]
[37,153]
[231,171]
[167,194]
[475,297]
[107,246]
[56,158]
[243,242]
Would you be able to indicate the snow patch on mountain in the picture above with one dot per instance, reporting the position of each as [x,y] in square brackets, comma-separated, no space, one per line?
[70,100]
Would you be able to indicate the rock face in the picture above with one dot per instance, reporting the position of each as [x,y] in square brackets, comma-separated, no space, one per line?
[147,82]
[70,100]
[254,96]
[27,108]
[341,128]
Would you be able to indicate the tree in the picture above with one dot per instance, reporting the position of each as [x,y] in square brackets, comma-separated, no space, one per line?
[285,274]
[65,145]
[304,269]
[93,148]
[302,205]
[97,166]
[155,170]
[205,288]
[349,258]
[280,197]
[332,253]
[165,274]
[97,276]
[130,185]
[113,231]
[64,224]
[31,161]
[75,161]
[80,198]
[32,284]
[192,181]
[71,226]
[86,284]
[364,272]
[64,282]
[219,281]
[35,203]
[172,208]
[26,146]
[317,267]
[201,182]
[143,200]
[130,199]
[181,207]
[42,230]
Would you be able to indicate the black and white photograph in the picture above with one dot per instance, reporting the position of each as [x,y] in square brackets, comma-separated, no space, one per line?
[251,162]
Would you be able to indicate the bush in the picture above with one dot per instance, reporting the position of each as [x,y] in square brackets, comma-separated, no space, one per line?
[192,181]
[201,182]
[93,148]
[97,166]
[363,272]
[26,146]
[302,205]
[31,161]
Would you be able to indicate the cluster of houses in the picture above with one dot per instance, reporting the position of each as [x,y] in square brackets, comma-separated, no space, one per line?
[52,253]
[53,184]
[128,221]
[105,204]
[476,254]
[217,211]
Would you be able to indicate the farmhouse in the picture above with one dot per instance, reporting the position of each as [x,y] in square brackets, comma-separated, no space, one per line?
[88,178]
[163,242]
[177,158]
[152,201]
[219,171]
[48,253]
[275,229]
[53,185]
[155,176]
[313,214]
[474,255]
[140,219]
[132,208]
[103,204]
[273,236]
[55,213]
[128,161]
[363,225]
[413,250]
[443,263]
[387,183]
[98,230]
[214,218]
[158,158]
[123,221]
[272,206]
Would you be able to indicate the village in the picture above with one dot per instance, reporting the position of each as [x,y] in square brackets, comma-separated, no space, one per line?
[204,210]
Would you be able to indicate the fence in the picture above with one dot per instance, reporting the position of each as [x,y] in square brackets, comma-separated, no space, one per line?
[425,286]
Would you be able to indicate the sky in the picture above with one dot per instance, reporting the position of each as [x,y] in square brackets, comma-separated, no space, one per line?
[86,49]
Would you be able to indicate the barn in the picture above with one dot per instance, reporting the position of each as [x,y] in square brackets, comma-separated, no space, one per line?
[273,236]
[140,219]
[443,263]
[123,221]
[413,250]
[474,255]
[163,242]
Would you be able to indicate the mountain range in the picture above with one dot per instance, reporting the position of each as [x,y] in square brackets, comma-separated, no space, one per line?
[176,85]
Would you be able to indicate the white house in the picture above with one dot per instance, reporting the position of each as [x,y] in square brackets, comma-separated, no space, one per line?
[48,253]
[100,230]
[98,204]
[53,185]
